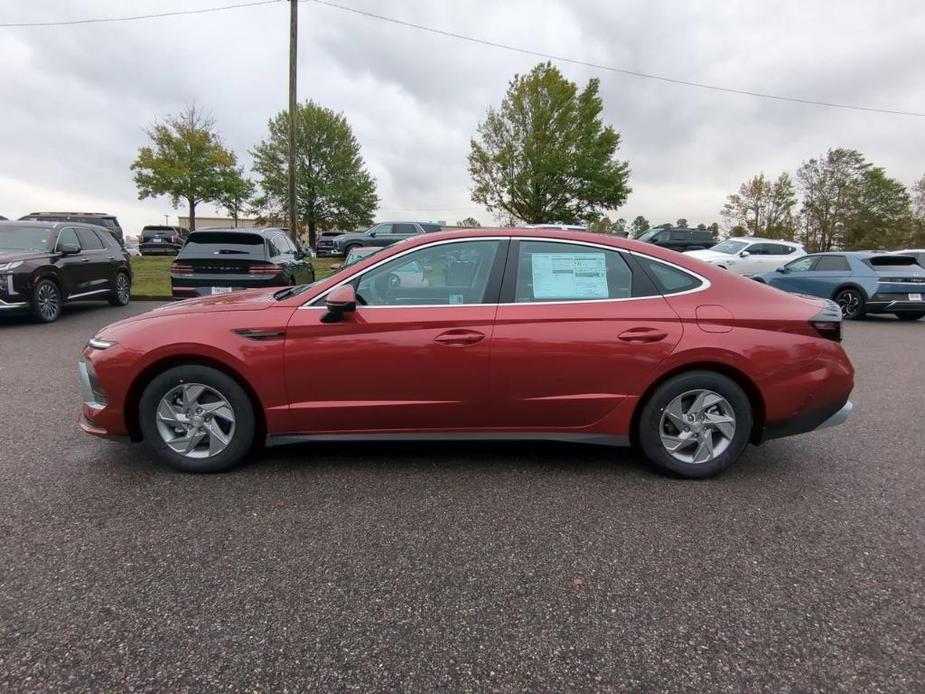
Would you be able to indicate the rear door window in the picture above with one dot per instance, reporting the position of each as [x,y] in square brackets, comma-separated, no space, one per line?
[405,229]
[832,263]
[89,241]
[548,271]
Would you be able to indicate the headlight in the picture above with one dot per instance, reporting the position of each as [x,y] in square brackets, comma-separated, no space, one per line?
[11,265]
[97,343]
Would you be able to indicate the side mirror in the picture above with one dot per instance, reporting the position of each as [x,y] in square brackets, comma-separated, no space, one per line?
[299,254]
[744,254]
[782,270]
[340,301]
[69,249]
[372,233]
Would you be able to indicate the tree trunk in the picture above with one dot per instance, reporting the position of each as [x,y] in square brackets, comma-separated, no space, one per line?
[311,232]
[192,214]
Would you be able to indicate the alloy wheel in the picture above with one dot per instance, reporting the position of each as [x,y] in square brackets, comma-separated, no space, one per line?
[195,420]
[123,288]
[48,300]
[697,426]
[849,302]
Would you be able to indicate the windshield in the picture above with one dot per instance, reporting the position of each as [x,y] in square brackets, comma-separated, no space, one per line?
[648,235]
[356,256]
[729,247]
[26,239]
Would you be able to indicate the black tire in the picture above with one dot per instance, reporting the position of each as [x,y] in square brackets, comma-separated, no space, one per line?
[648,430]
[911,316]
[851,303]
[242,436]
[122,294]
[350,247]
[46,301]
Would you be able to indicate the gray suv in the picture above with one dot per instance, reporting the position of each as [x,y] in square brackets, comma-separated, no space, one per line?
[384,234]
[680,238]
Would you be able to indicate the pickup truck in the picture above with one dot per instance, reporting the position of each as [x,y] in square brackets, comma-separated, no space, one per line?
[384,234]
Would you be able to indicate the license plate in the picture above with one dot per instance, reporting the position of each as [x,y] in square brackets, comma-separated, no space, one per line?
[158,240]
[915,297]
[221,290]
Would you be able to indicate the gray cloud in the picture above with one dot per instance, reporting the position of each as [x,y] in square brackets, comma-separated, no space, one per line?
[76,99]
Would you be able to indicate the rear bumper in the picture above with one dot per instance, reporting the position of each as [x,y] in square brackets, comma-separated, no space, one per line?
[184,288]
[811,420]
[159,249]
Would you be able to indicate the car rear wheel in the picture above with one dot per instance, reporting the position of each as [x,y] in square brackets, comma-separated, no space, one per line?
[851,303]
[695,424]
[910,316]
[197,419]
[123,291]
[46,301]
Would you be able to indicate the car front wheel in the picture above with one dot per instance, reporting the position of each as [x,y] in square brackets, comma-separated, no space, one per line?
[695,424]
[197,419]
[46,301]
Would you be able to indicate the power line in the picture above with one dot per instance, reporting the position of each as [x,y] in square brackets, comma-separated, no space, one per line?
[609,68]
[132,18]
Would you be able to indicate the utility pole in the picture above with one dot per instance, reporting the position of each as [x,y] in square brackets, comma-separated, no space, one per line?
[293,52]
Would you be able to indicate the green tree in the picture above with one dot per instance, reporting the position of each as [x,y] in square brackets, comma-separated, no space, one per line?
[639,226]
[619,227]
[185,161]
[682,223]
[881,215]
[702,226]
[333,187]
[600,226]
[470,222]
[237,193]
[545,155]
[829,186]
[714,229]
[763,207]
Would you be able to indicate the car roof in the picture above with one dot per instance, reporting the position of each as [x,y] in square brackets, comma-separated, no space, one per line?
[35,223]
[759,239]
[70,214]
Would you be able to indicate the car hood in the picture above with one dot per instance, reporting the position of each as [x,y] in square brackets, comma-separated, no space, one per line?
[9,256]
[707,255]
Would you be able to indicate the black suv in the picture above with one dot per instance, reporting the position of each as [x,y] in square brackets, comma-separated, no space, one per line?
[46,264]
[157,239]
[100,219]
[217,261]
[680,238]
[384,234]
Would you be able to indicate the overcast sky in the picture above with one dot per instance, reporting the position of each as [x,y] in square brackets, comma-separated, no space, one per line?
[77,98]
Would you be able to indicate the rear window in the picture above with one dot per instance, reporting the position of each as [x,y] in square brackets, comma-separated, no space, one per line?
[202,243]
[668,279]
[891,261]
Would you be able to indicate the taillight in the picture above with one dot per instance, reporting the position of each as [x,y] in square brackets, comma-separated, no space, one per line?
[177,268]
[175,239]
[264,269]
[828,322]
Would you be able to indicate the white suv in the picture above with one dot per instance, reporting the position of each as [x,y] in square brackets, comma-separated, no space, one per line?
[750,255]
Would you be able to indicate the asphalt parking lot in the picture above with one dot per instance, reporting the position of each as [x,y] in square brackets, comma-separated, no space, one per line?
[469,567]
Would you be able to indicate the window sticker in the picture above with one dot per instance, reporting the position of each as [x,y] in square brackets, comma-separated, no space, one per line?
[569,275]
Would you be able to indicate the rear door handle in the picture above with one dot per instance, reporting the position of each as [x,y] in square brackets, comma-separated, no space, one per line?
[643,335]
[459,337]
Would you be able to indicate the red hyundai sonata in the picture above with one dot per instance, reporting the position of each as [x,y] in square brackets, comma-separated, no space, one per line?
[486,334]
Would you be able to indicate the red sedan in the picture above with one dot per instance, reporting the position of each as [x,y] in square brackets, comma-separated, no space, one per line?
[486,334]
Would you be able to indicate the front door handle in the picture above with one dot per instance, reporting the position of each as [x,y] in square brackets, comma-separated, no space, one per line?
[85,260]
[459,337]
[643,335]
